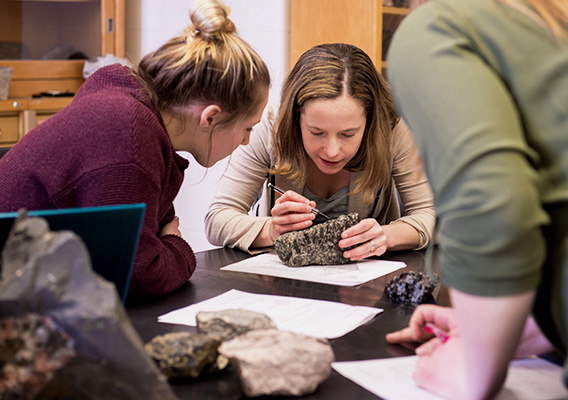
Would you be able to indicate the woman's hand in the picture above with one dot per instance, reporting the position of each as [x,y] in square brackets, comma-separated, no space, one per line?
[440,367]
[443,317]
[291,212]
[368,236]
[489,334]
[171,228]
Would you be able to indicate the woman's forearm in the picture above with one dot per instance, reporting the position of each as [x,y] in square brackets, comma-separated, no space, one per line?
[264,238]
[401,236]
[490,328]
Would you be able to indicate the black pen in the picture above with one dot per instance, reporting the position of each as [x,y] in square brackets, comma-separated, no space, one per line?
[281,192]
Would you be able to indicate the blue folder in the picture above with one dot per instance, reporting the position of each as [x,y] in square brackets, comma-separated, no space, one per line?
[110,233]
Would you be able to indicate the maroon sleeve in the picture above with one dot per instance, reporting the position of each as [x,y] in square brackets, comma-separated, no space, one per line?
[161,264]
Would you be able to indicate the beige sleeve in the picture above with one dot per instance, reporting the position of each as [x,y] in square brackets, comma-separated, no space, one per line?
[227,222]
[412,185]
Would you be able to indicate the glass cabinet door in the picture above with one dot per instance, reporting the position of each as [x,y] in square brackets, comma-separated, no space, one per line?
[45,44]
[60,30]
[50,30]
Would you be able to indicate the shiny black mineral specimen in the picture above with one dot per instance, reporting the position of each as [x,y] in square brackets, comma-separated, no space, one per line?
[316,245]
[411,287]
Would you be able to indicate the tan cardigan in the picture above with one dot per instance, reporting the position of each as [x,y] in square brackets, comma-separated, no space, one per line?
[229,221]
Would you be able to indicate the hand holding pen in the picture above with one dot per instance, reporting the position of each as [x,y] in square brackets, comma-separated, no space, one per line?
[291,212]
[440,365]
[428,320]
[441,334]
[313,209]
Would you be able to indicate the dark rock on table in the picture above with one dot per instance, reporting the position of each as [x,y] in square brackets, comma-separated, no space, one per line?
[185,354]
[316,245]
[411,287]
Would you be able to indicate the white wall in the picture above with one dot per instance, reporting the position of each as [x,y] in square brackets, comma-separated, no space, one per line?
[262,23]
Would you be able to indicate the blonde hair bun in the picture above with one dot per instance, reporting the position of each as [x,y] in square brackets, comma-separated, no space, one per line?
[210,19]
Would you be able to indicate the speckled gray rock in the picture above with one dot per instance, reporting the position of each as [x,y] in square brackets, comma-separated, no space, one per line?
[233,322]
[316,245]
[186,354]
[273,362]
[411,287]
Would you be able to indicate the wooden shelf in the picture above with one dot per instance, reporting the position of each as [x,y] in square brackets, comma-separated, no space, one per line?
[13,105]
[49,103]
[396,10]
[38,104]
[57,1]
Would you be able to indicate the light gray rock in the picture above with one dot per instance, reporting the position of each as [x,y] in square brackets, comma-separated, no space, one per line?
[49,273]
[273,362]
[233,322]
[316,245]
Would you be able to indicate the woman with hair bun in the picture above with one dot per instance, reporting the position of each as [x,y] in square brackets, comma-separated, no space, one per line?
[116,143]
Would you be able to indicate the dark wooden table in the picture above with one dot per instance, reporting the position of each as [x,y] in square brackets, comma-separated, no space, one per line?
[366,342]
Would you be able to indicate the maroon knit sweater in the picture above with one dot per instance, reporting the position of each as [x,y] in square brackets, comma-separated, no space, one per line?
[109,146]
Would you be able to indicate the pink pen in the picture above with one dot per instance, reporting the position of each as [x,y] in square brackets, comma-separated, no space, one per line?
[438,332]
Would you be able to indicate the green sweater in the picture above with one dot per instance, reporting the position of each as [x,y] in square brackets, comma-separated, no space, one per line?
[484,88]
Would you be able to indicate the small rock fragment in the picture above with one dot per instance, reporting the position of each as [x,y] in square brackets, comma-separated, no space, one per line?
[33,348]
[233,322]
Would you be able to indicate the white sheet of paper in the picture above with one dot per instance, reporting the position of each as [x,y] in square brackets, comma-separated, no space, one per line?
[340,275]
[391,379]
[318,318]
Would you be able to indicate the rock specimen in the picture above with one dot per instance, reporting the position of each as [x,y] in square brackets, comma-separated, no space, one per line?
[230,323]
[185,354]
[190,355]
[32,349]
[316,245]
[273,362]
[411,287]
[49,273]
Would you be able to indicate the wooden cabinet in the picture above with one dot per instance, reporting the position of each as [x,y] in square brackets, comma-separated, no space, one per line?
[47,43]
[366,24]
[10,119]
[19,116]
